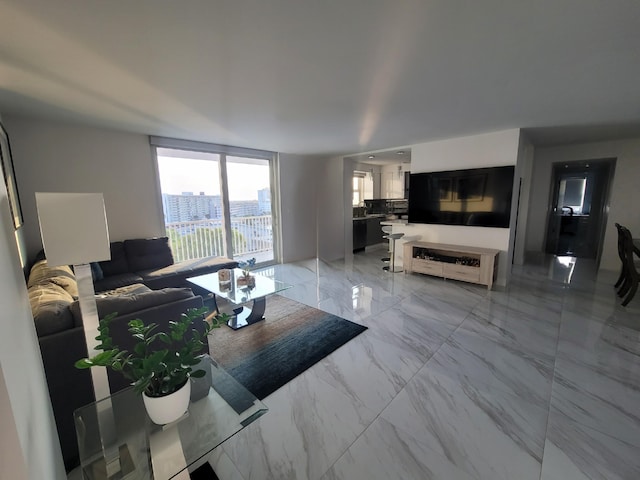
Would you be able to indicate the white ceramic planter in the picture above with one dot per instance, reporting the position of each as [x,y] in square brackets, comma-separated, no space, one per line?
[167,409]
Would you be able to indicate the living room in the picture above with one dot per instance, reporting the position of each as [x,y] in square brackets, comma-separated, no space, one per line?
[54,150]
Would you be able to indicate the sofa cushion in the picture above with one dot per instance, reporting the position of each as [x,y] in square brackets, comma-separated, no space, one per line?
[50,308]
[125,304]
[198,266]
[41,273]
[118,263]
[148,253]
[133,289]
[116,281]
[175,274]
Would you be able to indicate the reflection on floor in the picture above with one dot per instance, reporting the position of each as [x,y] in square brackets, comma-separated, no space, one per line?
[537,381]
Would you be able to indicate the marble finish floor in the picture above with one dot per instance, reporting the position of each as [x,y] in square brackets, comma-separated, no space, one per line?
[539,381]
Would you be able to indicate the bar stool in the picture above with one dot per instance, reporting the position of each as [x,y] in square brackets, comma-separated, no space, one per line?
[392,237]
[387,229]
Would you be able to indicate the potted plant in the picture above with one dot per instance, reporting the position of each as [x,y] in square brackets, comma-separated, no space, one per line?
[246,266]
[161,363]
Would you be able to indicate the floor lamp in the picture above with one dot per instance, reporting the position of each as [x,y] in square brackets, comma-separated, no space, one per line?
[74,232]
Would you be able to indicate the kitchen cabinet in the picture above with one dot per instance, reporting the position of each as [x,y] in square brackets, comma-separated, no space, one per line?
[359,234]
[367,231]
[392,185]
[374,231]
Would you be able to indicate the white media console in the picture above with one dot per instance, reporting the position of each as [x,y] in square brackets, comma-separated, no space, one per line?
[457,262]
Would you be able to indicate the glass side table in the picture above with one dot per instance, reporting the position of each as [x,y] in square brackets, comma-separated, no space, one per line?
[219,408]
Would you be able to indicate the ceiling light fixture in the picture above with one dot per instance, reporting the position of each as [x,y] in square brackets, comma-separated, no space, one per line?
[400,152]
[371,156]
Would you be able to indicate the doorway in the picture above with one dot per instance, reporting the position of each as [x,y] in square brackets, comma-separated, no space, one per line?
[577,207]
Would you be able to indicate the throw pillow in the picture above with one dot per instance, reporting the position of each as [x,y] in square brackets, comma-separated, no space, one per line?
[118,263]
[41,273]
[96,271]
[148,253]
[50,308]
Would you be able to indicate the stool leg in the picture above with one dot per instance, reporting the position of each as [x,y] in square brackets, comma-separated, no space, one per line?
[393,256]
[389,268]
[392,264]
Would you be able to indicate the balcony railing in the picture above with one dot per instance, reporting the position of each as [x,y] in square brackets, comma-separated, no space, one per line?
[251,236]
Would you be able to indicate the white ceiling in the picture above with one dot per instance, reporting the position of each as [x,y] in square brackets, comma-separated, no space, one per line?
[330,76]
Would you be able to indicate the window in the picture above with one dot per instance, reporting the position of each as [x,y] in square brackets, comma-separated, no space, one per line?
[217,200]
[572,194]
[358,189]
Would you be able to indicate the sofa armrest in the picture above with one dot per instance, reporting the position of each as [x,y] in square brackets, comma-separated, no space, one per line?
[69,387]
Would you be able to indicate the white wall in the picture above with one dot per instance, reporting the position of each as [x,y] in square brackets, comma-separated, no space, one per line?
[12,464]
[348,167]
[57,157]
[22,369]
[477,151]
[333,204]
[623,200]
[298,199]
[524,170]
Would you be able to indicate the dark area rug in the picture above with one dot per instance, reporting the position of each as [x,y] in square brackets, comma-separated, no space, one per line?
[265,356]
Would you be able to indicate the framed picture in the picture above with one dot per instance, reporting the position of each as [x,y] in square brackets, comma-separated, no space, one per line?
[10,178]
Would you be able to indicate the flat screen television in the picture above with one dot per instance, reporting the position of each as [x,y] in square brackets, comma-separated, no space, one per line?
[479,197]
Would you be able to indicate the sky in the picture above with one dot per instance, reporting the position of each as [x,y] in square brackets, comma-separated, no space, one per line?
[178,175]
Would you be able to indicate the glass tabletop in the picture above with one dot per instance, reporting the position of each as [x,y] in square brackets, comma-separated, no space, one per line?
[234,290]
[219,408]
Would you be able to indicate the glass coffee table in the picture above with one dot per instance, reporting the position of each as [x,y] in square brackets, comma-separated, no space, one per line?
[239,294]
[219,408]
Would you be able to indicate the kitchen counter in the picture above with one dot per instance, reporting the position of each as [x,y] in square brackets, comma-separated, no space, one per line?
[373,215]
[397,221]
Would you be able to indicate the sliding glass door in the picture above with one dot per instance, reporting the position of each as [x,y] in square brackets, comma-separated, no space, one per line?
[216,203]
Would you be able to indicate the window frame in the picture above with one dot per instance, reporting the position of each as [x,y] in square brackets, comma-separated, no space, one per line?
[225,151]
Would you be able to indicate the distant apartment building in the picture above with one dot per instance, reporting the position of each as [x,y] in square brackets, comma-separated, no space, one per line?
[264,201]
[188,207]
[244,208]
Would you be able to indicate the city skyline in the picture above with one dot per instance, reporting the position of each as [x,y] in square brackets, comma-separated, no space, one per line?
[192,206]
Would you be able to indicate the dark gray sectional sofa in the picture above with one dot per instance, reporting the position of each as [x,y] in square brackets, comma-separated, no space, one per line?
[150,261]
[141,281]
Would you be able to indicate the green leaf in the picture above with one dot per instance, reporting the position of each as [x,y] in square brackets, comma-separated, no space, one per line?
[136,324]
[84,363]
[163,337]
[139,349]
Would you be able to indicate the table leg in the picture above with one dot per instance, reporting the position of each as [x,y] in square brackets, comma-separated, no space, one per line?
[166,454]
[245,316]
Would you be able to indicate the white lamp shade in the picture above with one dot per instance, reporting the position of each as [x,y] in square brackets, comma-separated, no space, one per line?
[73,227]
